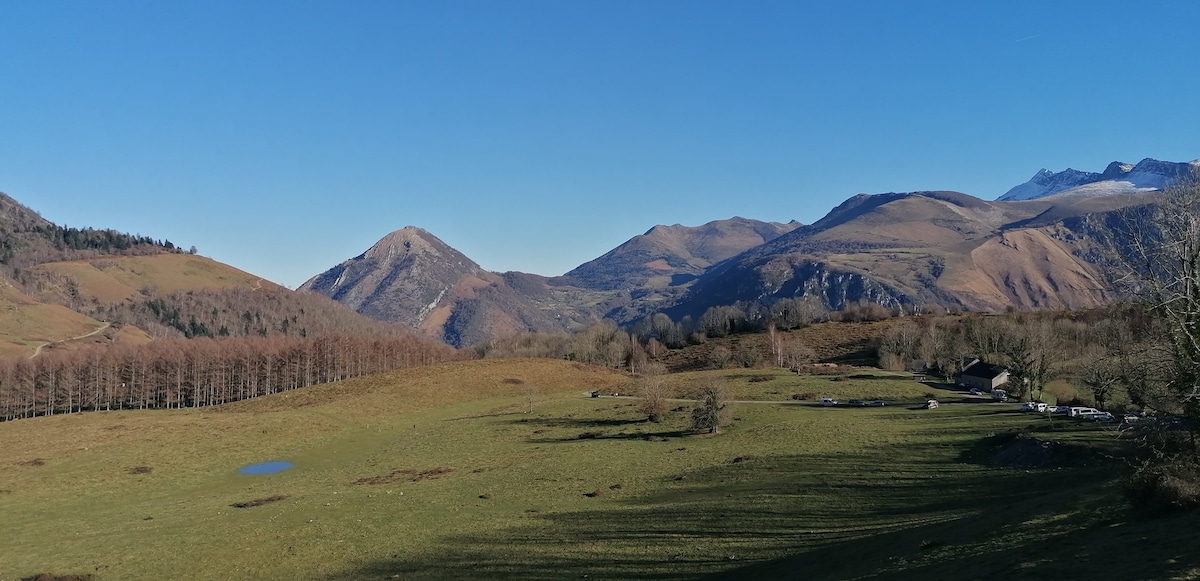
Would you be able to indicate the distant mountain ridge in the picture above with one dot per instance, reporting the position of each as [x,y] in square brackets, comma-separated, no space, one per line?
[412,277]
[1118,178]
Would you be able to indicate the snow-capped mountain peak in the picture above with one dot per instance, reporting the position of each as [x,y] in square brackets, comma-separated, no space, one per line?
[1046,183]
[1118,178]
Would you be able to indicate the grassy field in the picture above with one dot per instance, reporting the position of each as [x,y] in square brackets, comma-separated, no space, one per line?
[504,469]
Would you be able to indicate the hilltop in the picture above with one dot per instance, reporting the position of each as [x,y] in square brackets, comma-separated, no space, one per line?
[64,288]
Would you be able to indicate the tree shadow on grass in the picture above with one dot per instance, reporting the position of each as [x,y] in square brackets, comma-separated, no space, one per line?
[878,514]
[563,422]
[655,436]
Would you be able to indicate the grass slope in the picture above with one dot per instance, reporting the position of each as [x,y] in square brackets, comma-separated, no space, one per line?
[26,323]
[444,472]
[116,278]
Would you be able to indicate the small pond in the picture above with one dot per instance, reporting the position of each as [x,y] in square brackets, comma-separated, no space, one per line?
[265,467]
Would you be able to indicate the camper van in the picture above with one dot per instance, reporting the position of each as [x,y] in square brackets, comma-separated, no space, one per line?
[999,394]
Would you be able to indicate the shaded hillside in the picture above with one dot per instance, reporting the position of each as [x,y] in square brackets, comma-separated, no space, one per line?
[908,250]
[242,312]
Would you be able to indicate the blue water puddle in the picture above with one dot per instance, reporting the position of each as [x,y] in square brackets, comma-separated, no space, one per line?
[265,467]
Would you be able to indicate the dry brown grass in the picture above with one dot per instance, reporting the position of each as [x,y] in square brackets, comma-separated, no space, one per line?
[116,278]
[25,323]
[1047,275]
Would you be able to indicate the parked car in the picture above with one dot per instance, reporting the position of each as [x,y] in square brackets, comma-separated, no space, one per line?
[976,391]
[1061,409]
[858,403]
[828,401]
[931,404]
[877,403]
[1096,416]
[1034,406]
[1078,411]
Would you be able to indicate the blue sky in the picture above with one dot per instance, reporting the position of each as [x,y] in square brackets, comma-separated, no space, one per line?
[285,137]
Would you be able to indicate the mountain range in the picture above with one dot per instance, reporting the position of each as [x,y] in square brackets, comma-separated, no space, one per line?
[1118,178]
[1042,245]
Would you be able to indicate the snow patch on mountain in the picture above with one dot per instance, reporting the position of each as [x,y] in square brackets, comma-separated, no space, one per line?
[1118,178]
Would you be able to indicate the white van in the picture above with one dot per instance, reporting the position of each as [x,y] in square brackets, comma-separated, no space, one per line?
[1078,411]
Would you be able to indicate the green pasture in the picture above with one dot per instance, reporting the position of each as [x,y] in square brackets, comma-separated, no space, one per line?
[446,473]
[783,385]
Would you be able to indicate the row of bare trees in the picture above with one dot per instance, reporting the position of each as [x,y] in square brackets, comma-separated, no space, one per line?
[1034,347]
[197,372]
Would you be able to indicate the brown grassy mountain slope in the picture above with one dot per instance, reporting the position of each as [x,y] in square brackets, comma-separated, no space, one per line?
[117,278]
[673,255]
[26,323]
[943,248]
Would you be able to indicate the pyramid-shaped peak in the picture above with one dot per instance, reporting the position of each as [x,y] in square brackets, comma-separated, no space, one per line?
[411,241]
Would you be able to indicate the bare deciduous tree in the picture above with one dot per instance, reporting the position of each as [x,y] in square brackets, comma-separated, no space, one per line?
[653,391]
[1163,241]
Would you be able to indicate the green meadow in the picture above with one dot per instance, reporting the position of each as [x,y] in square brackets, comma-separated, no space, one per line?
[505,469]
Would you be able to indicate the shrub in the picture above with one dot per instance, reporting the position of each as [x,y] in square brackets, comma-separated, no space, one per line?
[1168,487]
[710,413]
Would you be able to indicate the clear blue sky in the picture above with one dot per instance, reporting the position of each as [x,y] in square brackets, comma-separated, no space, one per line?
[285,137]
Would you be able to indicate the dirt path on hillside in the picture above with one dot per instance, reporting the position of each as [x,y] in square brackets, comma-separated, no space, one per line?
[38,350]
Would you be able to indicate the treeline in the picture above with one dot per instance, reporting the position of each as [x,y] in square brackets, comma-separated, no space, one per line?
[606,344]
[51,243]
[242,312]
[1090,347]
[197,372]
[741,317]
